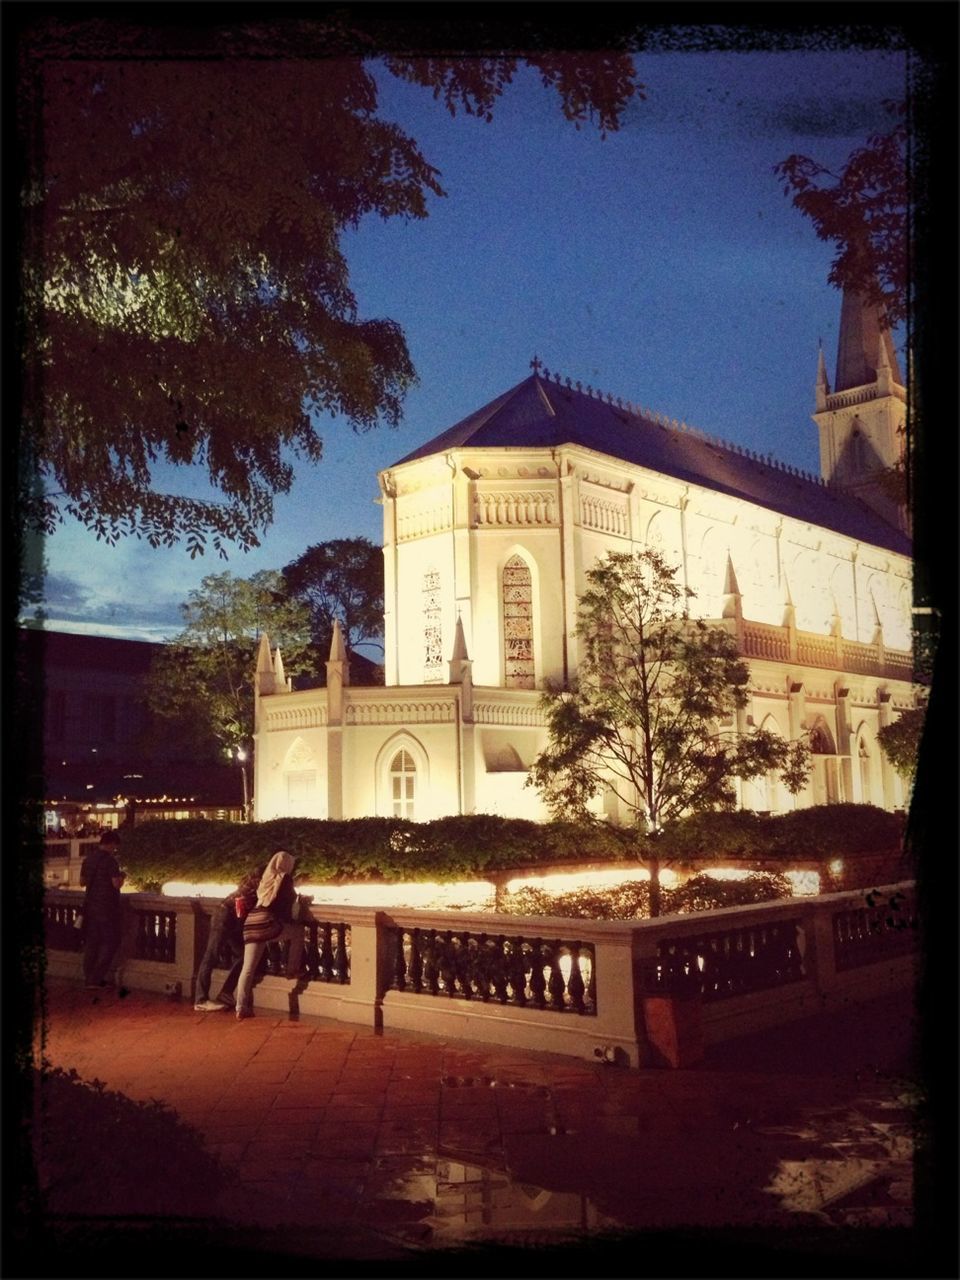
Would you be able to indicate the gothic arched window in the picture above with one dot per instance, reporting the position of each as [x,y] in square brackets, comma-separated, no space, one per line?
[403,784]
[824,767]
[518,671]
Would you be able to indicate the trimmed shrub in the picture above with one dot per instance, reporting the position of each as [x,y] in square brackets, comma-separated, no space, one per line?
[482,845]
[821,832]
[631,900]
[703,893]
[359,849]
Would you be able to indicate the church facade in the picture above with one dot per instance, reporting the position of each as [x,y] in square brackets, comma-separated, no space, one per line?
[488,531]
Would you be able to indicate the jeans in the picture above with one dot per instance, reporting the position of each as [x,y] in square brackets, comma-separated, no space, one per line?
[101,941]
[252,954]
[221,930]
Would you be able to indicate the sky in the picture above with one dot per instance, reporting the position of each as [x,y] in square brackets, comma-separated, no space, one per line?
[662,264]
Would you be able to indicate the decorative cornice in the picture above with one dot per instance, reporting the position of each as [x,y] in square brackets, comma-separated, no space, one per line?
[311,716]
[389,712]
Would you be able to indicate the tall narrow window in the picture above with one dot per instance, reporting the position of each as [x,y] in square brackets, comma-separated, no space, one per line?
[864,759]
[403,780]
[518,670]
[432,636]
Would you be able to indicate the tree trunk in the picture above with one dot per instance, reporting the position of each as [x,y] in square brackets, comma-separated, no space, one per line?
[654,864]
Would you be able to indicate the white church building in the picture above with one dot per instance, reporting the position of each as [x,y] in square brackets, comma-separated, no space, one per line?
[488,531]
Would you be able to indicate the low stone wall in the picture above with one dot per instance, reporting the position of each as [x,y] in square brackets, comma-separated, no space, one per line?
[648,992]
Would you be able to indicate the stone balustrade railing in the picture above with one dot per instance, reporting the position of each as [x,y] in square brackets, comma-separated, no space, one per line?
[581,987]
[783,644]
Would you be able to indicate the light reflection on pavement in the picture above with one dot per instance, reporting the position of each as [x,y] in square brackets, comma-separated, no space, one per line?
[345,1143]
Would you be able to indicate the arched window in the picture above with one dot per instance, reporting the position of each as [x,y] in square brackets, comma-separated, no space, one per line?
[825,772]
[518,671]
[432,634]
[403,784]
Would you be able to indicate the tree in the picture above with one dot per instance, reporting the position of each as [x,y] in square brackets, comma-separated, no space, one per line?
[863,211]
[200,688]
[185,295]
[652,714]
[340,579]
[900,741]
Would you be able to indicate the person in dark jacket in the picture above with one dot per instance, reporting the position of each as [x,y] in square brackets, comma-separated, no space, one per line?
[226,929]
[102,878]
[274,917]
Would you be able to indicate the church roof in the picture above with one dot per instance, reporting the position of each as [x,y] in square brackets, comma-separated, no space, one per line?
[543,412]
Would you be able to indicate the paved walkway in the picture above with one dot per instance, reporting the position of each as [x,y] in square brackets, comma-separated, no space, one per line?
[378,1153]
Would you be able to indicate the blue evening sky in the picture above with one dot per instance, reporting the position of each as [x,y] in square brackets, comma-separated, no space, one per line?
[662,264]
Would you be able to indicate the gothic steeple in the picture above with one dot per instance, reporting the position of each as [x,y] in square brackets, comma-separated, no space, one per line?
[862,336]
[862,422]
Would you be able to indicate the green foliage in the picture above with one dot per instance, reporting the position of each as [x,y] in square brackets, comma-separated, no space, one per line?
[341,579]
[483,845]
[631,900]
[822,831]
[357,849]
[104,1156]
[186,296]
[652,716]
[200,688]
[703,893]
[900,741]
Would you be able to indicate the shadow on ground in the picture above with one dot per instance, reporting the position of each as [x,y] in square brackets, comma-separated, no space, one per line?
[123,1186]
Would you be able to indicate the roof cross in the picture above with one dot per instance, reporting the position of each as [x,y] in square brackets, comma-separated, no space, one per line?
[536,364]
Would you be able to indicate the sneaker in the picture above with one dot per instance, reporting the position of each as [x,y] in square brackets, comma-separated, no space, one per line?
[210,1006]
[244,1013]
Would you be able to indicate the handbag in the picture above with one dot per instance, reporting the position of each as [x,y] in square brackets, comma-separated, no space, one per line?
[260,925]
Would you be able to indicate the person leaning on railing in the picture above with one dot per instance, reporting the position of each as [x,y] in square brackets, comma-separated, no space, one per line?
[275,916]
[226,928]
[102,879]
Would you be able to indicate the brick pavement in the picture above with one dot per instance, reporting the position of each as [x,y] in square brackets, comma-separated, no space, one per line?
[388,1150]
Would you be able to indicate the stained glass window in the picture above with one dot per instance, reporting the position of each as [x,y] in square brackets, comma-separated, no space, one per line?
[517,625]
[432,637]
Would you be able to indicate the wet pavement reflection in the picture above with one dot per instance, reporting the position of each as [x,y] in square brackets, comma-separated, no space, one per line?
[349,1144]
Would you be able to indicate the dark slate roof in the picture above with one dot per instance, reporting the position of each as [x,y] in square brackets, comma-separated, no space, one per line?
[540,412]
[87,652]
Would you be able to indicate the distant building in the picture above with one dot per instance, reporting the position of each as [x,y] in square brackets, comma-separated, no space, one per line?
[488,531]
[96,767]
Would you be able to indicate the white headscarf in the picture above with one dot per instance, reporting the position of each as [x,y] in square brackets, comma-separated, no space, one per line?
[280,865]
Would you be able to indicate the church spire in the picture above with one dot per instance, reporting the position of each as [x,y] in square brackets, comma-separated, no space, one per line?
[862,337]
[338,650]
[823,386]
[862,421]
[265,676]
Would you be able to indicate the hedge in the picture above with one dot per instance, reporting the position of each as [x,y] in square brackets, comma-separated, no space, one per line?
[359,849]
[631,900]
[821,832]
[481,845]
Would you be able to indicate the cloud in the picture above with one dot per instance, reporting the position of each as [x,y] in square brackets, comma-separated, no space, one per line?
[796,94]
[841,118]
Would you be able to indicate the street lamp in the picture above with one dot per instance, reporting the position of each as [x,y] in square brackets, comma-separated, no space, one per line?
[242,761]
